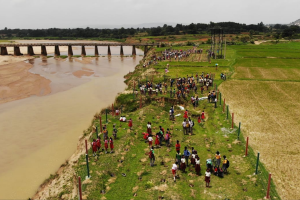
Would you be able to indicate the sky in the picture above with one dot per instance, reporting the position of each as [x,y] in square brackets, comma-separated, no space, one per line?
[34,14]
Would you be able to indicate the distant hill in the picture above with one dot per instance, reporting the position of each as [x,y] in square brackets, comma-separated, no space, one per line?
[297,23]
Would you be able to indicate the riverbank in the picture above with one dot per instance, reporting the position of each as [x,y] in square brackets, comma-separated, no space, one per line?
[47,128]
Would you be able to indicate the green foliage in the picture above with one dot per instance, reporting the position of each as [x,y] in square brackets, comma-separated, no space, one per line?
[245,39]
[190,43]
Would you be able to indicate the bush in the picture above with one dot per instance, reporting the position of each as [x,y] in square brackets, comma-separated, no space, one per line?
[245,39]
[149,185]
[190,43]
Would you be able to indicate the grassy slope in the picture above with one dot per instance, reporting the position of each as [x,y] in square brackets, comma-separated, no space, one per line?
[208,138]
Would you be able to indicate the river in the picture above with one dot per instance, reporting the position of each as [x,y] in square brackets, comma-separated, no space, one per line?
[39,133]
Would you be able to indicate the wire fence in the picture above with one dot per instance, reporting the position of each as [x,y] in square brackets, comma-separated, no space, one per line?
[262,173]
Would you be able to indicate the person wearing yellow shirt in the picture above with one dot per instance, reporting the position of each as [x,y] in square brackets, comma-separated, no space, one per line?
[224,167]
[218,158]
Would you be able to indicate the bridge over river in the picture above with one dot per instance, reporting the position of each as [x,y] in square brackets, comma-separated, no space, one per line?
[17,52]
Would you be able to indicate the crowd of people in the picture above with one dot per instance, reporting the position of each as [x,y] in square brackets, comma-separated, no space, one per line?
[181,87]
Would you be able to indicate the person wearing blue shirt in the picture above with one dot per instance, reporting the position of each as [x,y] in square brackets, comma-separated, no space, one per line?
[186,155]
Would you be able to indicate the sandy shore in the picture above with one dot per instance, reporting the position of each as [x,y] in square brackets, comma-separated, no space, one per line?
[16,82]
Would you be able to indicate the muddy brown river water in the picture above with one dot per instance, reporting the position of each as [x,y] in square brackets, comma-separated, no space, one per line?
[39,133]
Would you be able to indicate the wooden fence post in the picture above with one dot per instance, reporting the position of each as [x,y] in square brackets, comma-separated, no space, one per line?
[268,189]
[246,153]
[79,188]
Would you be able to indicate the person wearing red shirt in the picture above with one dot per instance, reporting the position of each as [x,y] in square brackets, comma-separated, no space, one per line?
[106,144]
[111,144]
[94,147]
[98,142]
[130,123]
[177,146]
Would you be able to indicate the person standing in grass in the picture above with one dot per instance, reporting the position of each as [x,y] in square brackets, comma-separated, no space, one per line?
[111,144]
[106,144]
[94,147]
[171,112]
[177,146]
[207,177]
[197,165]
[152,157]
[199,119]
[182,165]
[184,123]
[174,169]
[98,143]
[203,115]
[146,135]
[194,153]
[149,131]
[115,131]
[185,116]
[191,124]
[225,164]
[130,123]
[150,139]
[186,155]
[218,158]
[117,112]
[157,143]
[168,135]
[178,159]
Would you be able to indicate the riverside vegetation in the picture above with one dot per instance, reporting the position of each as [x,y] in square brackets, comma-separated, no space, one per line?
[244,65]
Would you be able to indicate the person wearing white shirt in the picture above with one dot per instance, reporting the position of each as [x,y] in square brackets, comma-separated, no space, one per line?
[184,126]
[182,165]
[174,169]
[150,139]
[207,177]
[197,165]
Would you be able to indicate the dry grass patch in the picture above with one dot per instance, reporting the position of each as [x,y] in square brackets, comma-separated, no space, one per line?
[269,112]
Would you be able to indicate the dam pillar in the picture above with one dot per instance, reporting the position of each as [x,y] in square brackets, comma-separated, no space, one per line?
[145,50]
[83,53]
[133,50]
[30,50]
[121,51]
[70,51]
[43,50]
[108,51]
[4,51]
[17,51]
[96,51]
[56,50]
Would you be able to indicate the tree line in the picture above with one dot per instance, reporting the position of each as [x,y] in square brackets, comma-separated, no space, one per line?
[120,33]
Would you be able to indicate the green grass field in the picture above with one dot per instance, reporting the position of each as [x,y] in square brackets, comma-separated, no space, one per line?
[131,158]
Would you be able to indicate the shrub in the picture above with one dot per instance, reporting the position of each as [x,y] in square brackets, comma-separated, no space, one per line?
[190,43]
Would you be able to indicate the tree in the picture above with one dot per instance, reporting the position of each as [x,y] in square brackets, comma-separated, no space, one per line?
[277,36]
[251,33]
[245,39]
